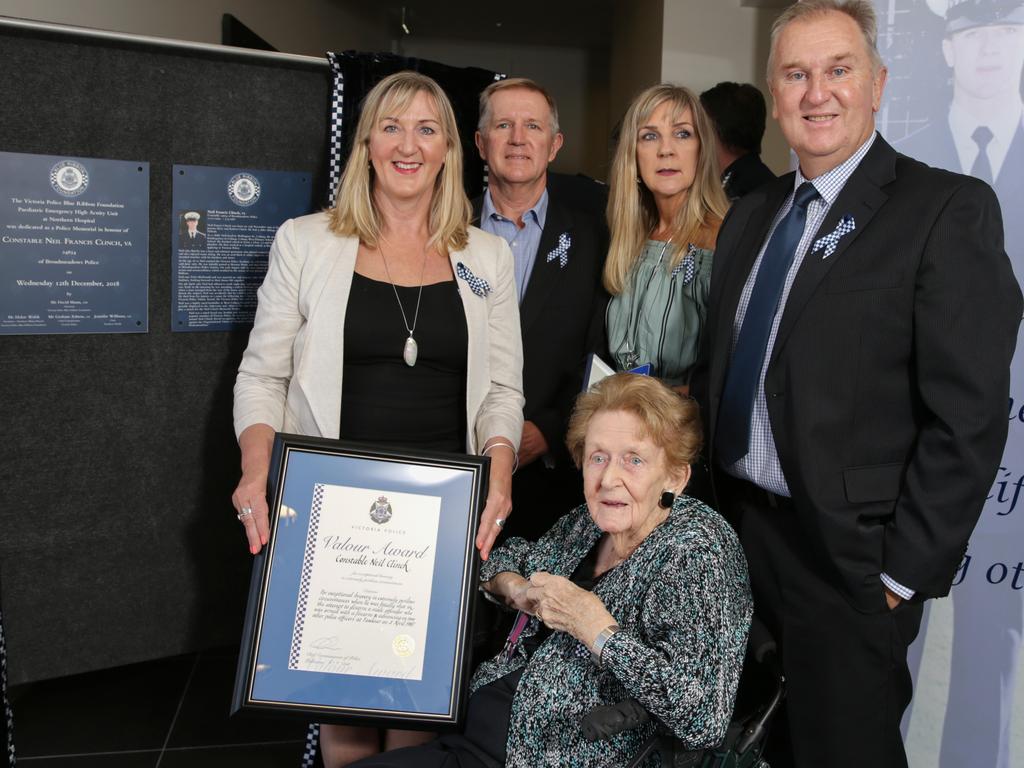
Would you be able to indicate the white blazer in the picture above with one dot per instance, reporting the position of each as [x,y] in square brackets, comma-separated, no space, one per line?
[290,374]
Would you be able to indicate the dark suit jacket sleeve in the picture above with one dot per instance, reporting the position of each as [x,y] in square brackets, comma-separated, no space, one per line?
[967,307]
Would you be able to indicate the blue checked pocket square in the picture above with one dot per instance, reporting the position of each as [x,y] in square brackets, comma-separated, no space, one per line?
[561,251]
[477,285]
[829,242]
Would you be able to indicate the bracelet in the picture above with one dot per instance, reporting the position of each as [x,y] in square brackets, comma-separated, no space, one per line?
[492,599]
[602,640]
[506,444]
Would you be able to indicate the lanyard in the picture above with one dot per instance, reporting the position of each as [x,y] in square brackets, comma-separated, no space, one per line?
[512,643]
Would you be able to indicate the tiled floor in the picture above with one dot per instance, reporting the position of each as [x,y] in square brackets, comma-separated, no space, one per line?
[169,713]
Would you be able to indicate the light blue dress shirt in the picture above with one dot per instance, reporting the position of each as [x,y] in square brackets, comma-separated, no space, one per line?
[523,242]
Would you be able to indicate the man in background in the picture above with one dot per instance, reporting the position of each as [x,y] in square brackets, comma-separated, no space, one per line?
[738,112]
[981,133]
[559,242]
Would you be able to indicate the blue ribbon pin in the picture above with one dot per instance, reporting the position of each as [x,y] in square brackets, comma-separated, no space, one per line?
[829,242]
[561,251]
[688,265]
[477,285]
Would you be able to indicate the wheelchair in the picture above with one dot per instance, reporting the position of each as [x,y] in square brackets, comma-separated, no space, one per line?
[761,690]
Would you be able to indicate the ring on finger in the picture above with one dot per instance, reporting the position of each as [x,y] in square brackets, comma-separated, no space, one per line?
[500,522]
[244,513]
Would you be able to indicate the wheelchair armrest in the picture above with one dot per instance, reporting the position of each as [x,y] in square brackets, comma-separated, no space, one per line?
[760,643]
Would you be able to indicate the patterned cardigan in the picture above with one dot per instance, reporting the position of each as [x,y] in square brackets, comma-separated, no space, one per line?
[683,602]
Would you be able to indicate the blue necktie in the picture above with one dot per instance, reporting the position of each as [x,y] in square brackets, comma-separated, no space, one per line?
[733,431]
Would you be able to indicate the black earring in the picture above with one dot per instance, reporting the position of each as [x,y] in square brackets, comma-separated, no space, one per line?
[667,500]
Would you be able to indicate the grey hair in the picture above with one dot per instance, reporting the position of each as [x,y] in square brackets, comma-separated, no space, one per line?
[861,11]
[515,82]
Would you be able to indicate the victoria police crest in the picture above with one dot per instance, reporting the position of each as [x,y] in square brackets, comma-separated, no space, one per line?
[243,189]
[380,510]
[69,178]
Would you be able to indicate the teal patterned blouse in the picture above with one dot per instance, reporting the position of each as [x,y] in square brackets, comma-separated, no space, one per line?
[659,317]
[683,602]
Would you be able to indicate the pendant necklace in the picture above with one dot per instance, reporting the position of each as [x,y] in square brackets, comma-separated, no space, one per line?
[411,349]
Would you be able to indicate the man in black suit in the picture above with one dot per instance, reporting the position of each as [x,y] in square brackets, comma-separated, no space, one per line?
[738,112]
[863,317]
[559,239]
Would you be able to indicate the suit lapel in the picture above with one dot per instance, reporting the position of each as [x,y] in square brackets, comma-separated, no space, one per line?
[545,274]
[861,197]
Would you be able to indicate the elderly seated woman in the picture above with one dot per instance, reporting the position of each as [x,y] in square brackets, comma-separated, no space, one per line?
[641,593]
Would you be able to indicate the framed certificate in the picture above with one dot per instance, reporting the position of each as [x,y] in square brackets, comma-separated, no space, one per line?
[361,603]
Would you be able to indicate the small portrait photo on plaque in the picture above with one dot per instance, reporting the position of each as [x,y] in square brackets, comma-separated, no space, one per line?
[192,230]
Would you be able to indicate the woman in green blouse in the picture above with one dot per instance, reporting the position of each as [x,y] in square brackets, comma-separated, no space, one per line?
[664,210]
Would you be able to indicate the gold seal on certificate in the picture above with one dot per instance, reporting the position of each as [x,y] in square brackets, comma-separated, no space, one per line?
[403,646]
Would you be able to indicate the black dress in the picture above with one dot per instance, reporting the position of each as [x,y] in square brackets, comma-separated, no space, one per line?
[388,403]
[383,400]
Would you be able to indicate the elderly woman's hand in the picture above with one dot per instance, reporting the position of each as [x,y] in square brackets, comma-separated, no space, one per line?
[564,607]
[511,588]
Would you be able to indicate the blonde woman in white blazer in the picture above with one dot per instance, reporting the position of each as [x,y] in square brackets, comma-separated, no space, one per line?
[336,283]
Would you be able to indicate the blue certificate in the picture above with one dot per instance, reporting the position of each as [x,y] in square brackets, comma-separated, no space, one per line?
[223,221]
[74,245]
[360,605]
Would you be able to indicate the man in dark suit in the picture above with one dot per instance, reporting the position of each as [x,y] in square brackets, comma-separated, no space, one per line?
[559,239]
[738,112]
[863,317]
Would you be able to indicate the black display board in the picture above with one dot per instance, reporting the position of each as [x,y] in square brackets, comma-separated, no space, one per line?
[117,539]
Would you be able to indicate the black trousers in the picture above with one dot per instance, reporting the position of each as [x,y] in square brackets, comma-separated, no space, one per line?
[846,671]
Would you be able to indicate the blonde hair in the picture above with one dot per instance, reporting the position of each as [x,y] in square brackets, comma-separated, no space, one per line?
[632,212]
[861,11]
[668,419]
[355,210]
[508,83]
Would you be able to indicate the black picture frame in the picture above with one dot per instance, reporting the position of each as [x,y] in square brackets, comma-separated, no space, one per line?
[325,570]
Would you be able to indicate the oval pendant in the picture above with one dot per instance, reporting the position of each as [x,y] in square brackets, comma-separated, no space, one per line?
[410,351]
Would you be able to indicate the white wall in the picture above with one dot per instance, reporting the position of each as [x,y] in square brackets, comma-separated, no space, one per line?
[308,27]
[636,52]
[707,41]
[576,77]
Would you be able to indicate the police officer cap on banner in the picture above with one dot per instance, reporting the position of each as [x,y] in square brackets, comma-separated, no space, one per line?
[191,216]
[967,14]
